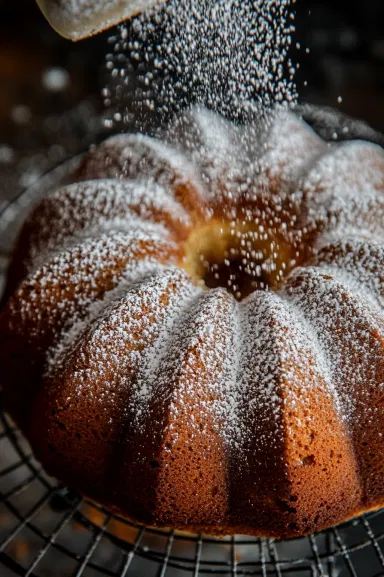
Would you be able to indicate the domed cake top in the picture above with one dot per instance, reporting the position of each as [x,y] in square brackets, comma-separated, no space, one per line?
[203,314]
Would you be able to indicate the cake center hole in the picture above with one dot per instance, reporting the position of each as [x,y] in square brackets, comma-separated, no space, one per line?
[240,259]
[236,274]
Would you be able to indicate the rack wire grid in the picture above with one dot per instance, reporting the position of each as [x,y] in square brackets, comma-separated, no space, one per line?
[48,530]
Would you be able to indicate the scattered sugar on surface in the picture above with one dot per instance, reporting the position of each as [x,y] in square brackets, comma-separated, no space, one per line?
[347,320]
[132,156]
[92,208]
[60,292]
[271,379]
[219,149]
[192,367]
[339,195]
[360,259]
[115,328]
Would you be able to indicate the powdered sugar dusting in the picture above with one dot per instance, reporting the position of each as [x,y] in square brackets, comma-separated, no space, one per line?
[193,367]
[215,146]
[348,322]
[114,338]
[360,259]
[135,275]
[119,312]
[133,155]
[90,209]
[271,376]
[61,291]
[289,150]
[340,195]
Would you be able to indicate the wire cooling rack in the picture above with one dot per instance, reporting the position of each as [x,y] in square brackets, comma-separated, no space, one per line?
[47,530]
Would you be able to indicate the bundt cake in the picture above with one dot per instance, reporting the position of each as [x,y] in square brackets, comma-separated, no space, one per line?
[194,327]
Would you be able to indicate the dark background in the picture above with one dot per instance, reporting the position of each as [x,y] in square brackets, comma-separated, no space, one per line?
[40,127]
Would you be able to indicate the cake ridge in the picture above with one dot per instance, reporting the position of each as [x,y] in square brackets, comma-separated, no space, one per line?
[274,412]
[333,293]
[134,276]
[91,208]
[146,387]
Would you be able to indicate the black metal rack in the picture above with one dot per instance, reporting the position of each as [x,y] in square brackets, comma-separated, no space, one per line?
[47,530]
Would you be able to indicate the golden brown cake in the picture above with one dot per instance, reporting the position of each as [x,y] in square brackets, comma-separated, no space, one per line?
[194,332]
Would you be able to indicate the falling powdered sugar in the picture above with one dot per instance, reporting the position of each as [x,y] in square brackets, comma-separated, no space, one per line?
[226,55]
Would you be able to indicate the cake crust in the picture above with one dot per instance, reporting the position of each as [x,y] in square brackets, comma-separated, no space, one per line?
[196,341]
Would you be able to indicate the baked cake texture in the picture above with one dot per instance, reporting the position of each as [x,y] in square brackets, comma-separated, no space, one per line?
[193,333]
